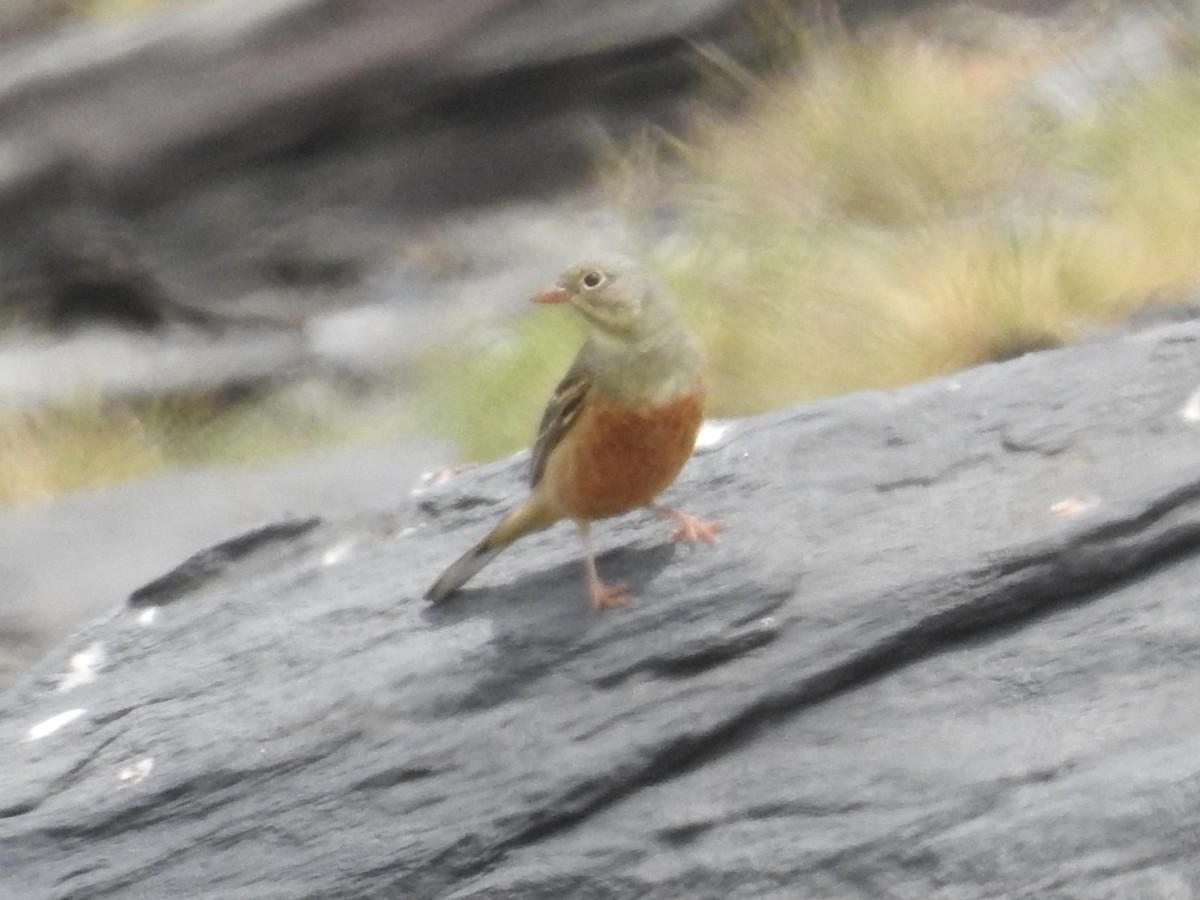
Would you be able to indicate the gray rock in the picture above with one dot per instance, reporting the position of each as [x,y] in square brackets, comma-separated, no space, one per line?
[308,132]
[68,561]
[226,178]
[207,86]
[18,17]
[1130,51]
[946,648]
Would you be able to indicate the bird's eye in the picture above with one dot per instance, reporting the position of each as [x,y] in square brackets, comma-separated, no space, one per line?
[592,280]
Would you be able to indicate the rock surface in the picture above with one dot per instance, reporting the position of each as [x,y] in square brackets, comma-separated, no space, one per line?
[947,648]
[119,538]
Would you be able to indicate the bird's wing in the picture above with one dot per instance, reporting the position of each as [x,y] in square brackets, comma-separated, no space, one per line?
[561,413]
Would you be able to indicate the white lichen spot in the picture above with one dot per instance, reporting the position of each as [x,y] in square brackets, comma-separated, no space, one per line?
[339,552]
[83,667]
[440,475]
[712,433]
[1191,409]
[47,727]
[134,773]
[147,615]
[1070,507]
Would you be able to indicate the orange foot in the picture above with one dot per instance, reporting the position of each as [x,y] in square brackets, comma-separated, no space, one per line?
[607,596]
[690,528]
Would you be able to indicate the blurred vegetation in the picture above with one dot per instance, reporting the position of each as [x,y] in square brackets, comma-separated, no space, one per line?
[891,209]
[113,9]
[896,209]
[29,17]
[86,444]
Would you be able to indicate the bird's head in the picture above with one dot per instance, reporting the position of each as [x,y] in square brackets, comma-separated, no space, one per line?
[618,300]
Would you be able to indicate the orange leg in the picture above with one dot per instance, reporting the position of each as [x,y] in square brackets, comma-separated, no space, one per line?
[600,595]
[690,528]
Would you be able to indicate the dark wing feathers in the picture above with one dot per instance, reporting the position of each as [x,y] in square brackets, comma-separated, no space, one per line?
[561,413]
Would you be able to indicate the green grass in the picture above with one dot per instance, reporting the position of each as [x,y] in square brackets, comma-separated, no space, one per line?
[488,397]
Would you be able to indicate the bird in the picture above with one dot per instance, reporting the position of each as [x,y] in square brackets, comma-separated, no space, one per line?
[618,428]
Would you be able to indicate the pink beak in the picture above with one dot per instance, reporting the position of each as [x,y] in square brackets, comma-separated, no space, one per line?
[554,294]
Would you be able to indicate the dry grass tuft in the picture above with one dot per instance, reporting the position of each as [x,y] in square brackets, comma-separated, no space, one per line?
[87,445]
[893,210]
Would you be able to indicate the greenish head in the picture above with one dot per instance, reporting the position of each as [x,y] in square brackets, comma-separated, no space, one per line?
[618,299]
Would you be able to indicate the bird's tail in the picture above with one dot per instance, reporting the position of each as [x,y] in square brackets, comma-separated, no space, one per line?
[464,568]
[528,517]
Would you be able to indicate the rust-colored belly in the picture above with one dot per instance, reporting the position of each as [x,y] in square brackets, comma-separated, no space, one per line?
[616,459]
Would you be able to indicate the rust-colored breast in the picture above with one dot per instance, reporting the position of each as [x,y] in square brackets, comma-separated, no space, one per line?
[616,459]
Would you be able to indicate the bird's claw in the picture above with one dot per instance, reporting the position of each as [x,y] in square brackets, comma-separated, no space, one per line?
[694,530]
[607,596]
